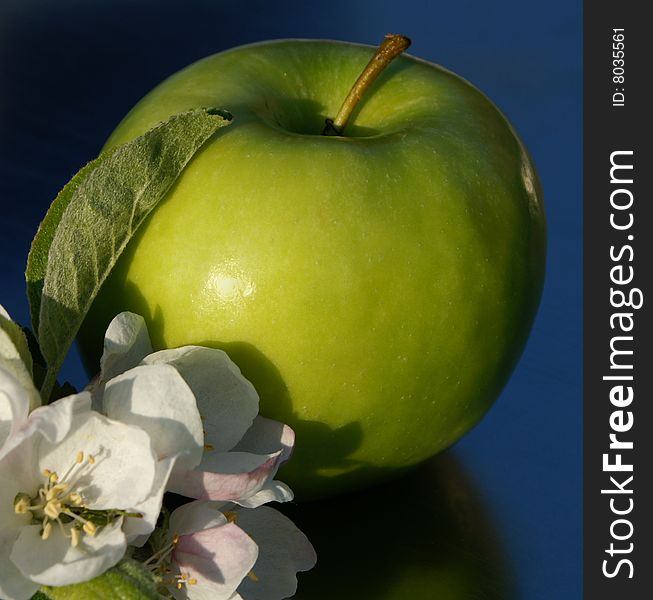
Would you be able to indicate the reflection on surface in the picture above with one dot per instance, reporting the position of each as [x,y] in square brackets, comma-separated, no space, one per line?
[426,536]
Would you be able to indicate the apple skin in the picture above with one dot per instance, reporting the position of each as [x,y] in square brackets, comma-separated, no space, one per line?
[376,288]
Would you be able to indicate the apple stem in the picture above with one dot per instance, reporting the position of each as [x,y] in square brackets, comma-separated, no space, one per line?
[391,47]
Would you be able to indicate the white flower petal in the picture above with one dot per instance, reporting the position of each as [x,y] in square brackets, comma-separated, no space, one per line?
[195,516]
[14,407]
[53,421]
[272,491]
[227,402]
[13,584]
[126,343]
[20,467]
[283,551]
[19,454]
[15,356]
[122,473]
[218,558]
[137,529]
[227,476]
[266,436]
[158,400]
[56,562]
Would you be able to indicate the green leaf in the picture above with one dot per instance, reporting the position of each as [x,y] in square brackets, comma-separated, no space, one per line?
[128,580]
[37,260]
[96,219]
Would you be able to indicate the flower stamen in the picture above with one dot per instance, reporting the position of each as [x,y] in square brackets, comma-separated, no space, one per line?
[75,536]
[47,529]
[22,503]
[53,509]
[159,556]
[58,501]
[90,528]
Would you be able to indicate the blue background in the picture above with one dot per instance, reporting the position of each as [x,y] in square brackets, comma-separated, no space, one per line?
[70,69]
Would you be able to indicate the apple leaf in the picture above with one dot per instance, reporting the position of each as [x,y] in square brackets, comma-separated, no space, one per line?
[94,218]
[128,580]
[37,260]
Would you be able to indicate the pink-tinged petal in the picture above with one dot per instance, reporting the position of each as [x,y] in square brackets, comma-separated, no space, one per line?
[230,476]
[196,516]
[266,436]
[283,551]
[217,559]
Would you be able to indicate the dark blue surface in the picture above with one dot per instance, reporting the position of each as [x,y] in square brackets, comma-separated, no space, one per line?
[70,69]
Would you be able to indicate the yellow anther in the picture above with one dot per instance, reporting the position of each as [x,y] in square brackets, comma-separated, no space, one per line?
[184,576]
[253,576]
[75,498]
[90,528]
[209,447]
[192,581]
[55,490]
[79,458]
[231,516]
[53,509]
[53,477]
[91,459]
[179,585]
[75,536]
[47,472]
[47,529]
[21,505]
[175,540]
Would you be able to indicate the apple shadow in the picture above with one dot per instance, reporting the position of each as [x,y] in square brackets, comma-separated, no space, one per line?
[322,462]
[425,536]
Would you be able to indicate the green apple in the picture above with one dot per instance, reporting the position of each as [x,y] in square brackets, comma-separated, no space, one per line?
[423,537]
[377,287]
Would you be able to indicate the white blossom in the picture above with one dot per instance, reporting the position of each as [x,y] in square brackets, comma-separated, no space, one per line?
[235,454]
[221,551]
[17,392]
[69,482]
